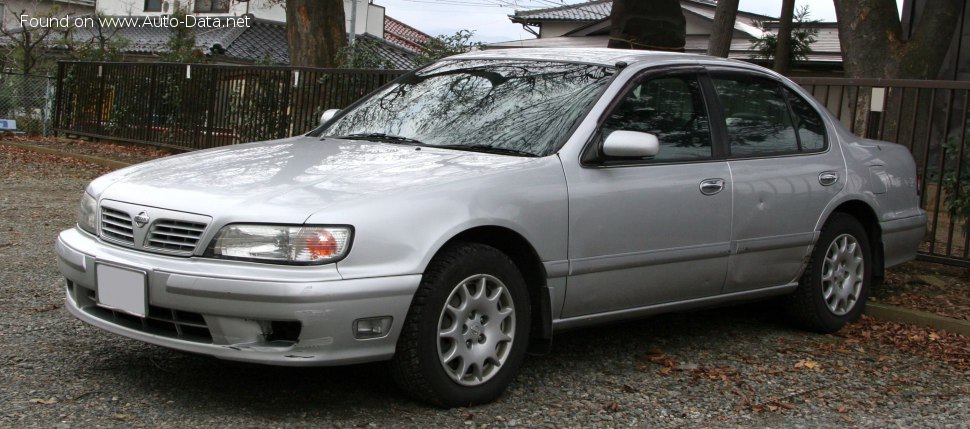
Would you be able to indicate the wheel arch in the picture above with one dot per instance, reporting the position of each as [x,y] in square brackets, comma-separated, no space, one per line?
[865,214]
[529,264]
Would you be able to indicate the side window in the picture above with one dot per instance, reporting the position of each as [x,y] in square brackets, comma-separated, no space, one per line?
[756,115]
[811,128]
[153,5]
[671,108]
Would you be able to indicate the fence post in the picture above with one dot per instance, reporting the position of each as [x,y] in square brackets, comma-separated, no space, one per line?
[58,105]
[48,104]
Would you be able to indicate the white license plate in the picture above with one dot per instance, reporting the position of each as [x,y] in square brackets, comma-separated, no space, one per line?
[122,289]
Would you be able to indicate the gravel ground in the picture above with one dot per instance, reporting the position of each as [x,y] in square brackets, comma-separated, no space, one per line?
[734,367]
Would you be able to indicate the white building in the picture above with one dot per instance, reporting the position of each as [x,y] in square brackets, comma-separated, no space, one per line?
[10,9]
[370,17]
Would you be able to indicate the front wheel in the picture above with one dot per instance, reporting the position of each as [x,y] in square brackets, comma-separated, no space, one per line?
[467,330]
[835,286]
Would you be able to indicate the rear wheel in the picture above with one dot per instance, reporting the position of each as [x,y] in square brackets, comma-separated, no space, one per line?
[467,330]
[835,286]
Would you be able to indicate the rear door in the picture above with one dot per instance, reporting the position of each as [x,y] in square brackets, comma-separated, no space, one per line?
[785,174]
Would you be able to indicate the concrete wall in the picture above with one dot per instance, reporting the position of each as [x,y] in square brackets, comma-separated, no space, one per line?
[370,18]
[555,29]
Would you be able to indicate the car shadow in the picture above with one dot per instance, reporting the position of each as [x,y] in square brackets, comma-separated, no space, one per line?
[231,388]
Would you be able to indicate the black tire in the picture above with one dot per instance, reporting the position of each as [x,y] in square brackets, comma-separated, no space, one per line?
[808,306]
[417,364]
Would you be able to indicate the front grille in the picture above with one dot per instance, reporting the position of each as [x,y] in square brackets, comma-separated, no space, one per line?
[117,225]
[160,321]
[175,235]
[167,231]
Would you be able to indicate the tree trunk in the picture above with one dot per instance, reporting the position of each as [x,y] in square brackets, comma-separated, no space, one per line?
[873,45]
[723,30]
[315,31]
[783,48]
[656,25]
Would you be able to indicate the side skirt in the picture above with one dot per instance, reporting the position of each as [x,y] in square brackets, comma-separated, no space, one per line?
[670,307]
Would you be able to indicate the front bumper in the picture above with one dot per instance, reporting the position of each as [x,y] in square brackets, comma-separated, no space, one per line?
[273,314]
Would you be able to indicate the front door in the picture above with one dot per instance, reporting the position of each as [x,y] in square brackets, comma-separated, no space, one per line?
[650,231]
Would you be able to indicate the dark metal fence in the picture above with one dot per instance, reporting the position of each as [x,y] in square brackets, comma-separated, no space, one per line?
[201,106]
[931,119]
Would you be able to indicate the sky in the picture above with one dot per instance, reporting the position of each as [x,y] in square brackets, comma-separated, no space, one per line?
[489,18]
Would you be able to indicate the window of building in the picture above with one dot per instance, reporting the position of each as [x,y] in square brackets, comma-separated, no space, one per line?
[211,6]
[153,5]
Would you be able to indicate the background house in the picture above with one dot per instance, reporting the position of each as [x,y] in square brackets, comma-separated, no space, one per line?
[264,41]
[588,25]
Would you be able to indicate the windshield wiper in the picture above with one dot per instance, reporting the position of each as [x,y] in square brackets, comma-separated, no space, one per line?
[488,149]
[388,138]
[384,138]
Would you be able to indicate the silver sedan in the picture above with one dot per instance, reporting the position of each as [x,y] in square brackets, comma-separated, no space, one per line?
[466,212]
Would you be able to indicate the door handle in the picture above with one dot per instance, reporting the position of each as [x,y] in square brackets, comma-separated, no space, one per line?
[712,186]
[828,178]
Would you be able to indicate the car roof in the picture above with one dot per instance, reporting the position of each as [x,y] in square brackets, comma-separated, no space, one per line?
[599,56]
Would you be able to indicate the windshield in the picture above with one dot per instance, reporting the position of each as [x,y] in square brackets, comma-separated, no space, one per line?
[514,107]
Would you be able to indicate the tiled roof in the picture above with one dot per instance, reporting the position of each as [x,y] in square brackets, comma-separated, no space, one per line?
[404,35]
[826,48]
[590,11]
[396,56]
[263,41]
[150,39]
[78,2]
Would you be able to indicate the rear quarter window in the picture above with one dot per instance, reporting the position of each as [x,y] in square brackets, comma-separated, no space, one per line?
[808,123]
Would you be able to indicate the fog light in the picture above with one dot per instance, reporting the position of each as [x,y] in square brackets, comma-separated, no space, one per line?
[372,327]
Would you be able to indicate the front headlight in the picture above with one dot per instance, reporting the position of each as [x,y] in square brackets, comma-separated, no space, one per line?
[282,244]
[87,214]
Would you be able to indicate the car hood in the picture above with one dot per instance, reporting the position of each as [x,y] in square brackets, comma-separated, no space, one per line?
[288,180]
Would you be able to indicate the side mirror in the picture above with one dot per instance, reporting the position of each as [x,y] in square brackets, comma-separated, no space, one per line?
[631,144]
[328,115]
